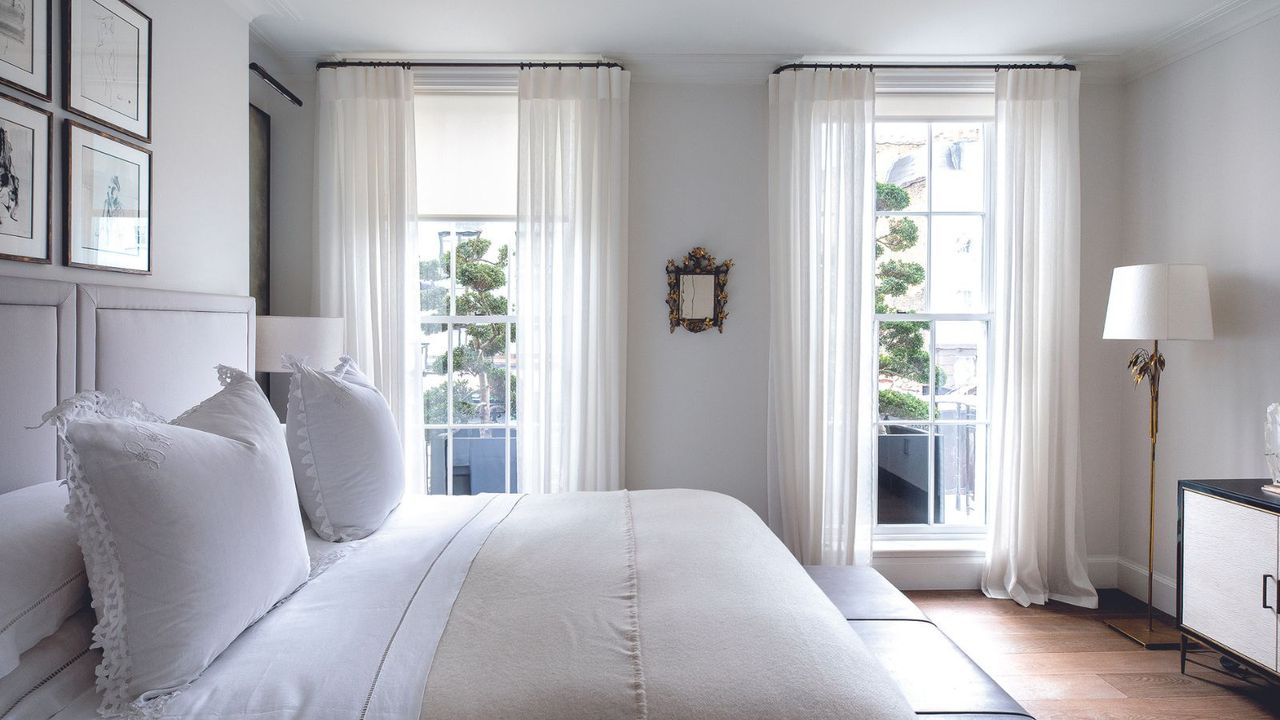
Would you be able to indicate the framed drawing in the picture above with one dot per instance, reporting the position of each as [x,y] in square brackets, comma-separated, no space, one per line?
[26,53]
[107,203]
[24,181]
[107,64]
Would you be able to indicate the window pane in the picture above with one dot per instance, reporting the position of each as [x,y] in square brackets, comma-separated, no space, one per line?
[902,245]
[479,461]
[959,167]
[960,363]
[435,348]
[512,371]
[902,490]
[902,163]
[482,265]
[957,266]
[437,460]
[513,484]
[479,367]
[904,371]
[466,153]
[435,243]
[960,461]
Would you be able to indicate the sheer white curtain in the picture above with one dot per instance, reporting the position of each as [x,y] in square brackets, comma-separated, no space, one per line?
[366,250]
[1036,550]
[571,278]
[821,238]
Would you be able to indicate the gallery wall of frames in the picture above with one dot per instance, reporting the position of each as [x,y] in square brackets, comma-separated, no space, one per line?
[105,48]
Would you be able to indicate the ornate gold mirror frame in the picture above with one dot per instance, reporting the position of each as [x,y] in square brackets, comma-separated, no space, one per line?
[696,295]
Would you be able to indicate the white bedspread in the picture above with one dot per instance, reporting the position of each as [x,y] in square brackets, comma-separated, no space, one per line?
[653,604]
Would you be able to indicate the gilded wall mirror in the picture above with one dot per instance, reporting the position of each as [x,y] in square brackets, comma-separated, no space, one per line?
[696,295]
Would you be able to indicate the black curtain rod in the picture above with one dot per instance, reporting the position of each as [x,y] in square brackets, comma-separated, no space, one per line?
[274,83]
[414,64]
[908,66]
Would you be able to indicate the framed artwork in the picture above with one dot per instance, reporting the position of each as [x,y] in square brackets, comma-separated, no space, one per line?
[260,208]
[24,181]
[107,64]
[26,53]
[107,222]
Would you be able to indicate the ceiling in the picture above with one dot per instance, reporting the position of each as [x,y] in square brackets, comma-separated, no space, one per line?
[312,29]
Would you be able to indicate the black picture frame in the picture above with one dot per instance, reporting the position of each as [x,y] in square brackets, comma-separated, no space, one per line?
[46,185]
[73,97]
[39,84]
[71,198]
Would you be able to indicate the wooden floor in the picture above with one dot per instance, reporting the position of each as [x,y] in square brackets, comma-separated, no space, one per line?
[1061,662]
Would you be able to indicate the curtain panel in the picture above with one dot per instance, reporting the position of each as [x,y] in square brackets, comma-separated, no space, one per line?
[1036,537]
[366,251]
[571,278]
[821,244]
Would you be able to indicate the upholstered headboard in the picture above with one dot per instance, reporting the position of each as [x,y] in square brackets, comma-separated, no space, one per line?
[37,368]
[156,346]
[160,346]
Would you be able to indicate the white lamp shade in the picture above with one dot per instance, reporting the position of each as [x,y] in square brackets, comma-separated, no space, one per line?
[1159,302]
[317,340]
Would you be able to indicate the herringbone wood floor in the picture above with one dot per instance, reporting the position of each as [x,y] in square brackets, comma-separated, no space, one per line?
[1062,663]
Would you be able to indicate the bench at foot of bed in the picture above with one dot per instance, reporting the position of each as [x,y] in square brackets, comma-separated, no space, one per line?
[937,677]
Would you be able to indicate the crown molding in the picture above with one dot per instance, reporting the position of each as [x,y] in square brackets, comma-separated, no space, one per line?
[251,10]
[1199,33]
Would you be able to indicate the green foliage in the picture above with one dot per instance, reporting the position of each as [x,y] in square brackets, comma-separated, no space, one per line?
[434,299]
[895,278]
[903,235]
[903,352]
[890,197]
[435,409]
[478,280]
[901,406]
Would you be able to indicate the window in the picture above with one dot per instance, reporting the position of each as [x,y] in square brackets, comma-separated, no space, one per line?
[466,149]
[933,323]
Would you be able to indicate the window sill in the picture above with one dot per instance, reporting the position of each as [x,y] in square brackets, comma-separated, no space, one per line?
[930,547]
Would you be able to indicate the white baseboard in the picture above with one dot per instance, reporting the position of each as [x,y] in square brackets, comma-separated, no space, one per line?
[1133,580]
[931,572]
[964,572]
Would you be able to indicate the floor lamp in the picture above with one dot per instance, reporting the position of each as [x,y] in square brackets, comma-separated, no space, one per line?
[1155,302]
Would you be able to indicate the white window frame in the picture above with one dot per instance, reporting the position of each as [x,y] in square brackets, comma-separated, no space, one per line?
[930,529]
[452,321]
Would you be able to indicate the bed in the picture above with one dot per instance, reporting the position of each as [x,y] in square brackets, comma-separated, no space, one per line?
[649,604]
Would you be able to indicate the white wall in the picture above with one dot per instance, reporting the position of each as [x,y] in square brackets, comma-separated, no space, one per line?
[1201,177]
[200,131]
[1105,381]
[699,176]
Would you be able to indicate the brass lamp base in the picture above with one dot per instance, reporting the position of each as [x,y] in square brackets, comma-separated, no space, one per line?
[1160,635]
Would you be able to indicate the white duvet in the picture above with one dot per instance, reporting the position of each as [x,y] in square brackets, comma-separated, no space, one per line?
[651,604]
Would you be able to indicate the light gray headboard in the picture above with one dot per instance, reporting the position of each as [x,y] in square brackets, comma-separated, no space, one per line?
[37,369]
[160,346]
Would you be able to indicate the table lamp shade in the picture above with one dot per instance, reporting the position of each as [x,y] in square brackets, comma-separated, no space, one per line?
[1159,302]
[318,340]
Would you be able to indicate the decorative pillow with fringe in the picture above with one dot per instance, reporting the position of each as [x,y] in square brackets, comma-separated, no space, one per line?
[345,449]
[190,532]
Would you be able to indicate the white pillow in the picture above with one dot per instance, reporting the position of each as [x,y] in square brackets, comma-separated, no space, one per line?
[42,578]
[345,449]
[53,673]
[190,530]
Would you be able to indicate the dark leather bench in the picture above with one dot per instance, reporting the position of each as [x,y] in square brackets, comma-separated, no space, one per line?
[937,677]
